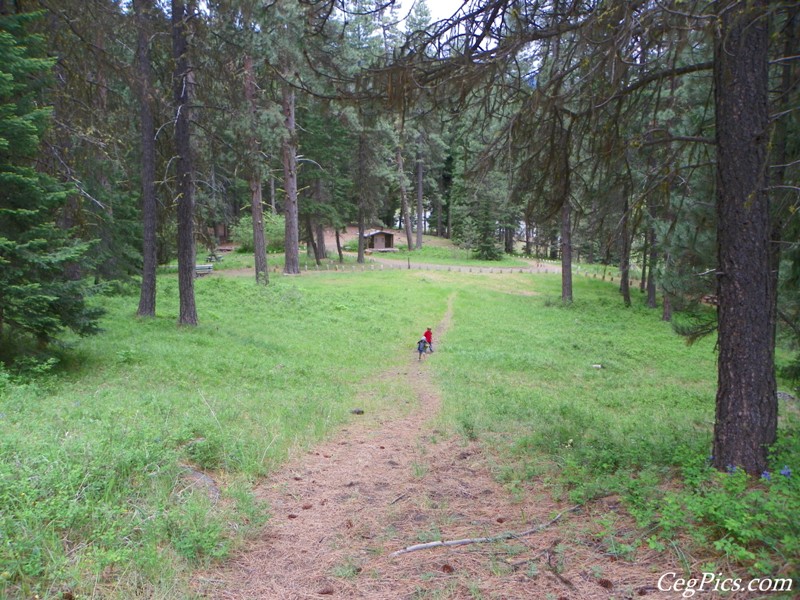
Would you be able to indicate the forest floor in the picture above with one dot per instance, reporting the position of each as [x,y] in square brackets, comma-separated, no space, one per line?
[385,482]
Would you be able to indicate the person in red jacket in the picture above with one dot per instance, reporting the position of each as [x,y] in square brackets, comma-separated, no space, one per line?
[428,335]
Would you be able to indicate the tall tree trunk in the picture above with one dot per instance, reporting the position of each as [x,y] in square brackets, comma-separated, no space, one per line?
[566,252]
[289,146]
[746,407]
[420,211]
[364,193]
[672,218]
[449,217]
[783,197]
[184,82]
[528,239]
[438,203]
[312,244]
[339,247]
[259,237]
[566,208]
[144,83]
[401,175]
[645,262]
[254,162]
[625,261]
[272,194]
[651,269]
[508,239]
[666,312]
[322,251]
[361,231]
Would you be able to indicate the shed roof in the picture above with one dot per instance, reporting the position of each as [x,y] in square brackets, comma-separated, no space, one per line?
[377,231]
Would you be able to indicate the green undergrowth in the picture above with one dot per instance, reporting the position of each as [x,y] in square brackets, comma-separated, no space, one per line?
[128,460]
[131,461]
[594,399]
[228,261]
[452,255]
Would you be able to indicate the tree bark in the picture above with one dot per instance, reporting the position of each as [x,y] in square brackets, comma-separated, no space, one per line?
[361,231]
[566,252]
[438,206]
[322,251]
[289,146]
[508,239]
[651,269]
[272,194]
[449,216]
[313,250]
[782,135]
[364,193]
[666,312]
[420,211]
[566,209]
[625,262]
[183,88]
[528,239]
[339,247]
[259,238]
[147,297]
[401,174]
[746,404]
[254,162]
[645,262]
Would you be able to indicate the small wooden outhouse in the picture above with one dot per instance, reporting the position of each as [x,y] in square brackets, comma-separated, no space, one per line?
[379,240]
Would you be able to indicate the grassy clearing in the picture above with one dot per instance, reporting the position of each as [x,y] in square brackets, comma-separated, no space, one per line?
[594,399]
[275,261]
[104,460]
[439,251]
[449,255]
[591,375]
[98,459]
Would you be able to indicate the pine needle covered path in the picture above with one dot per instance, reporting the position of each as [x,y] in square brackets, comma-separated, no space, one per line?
[343,512]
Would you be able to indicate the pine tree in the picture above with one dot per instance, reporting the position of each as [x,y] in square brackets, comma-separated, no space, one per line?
[37,299]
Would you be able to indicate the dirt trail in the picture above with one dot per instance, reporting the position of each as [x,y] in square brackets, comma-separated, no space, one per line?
[385,483]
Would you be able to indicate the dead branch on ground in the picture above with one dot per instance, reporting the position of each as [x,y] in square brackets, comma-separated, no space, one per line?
[483,540]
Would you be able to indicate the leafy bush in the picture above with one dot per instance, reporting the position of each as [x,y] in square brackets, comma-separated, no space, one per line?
[274,231]
[435,253]
[748,521]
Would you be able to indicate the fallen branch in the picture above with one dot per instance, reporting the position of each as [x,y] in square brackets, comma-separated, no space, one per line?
[482,540]
[400,497]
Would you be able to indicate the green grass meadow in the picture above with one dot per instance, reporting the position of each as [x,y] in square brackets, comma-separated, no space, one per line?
[98,450]
[449,255]
[591,381]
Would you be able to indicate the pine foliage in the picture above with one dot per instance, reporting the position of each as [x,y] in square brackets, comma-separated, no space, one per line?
[37,297]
